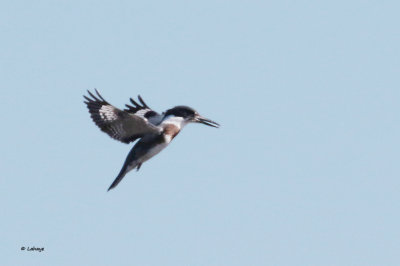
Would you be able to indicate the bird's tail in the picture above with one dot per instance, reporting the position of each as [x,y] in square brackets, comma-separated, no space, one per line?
[129,164]
[122,173]
[118,179]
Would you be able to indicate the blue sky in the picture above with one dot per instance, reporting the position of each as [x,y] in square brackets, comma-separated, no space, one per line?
[303,171]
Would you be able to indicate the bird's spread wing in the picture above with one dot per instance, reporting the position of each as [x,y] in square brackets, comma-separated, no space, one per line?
[123,125]
[142,110]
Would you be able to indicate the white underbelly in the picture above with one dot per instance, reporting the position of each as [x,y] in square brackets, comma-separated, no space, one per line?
[153,151]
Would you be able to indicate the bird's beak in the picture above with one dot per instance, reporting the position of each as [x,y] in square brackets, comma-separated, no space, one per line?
[205,121]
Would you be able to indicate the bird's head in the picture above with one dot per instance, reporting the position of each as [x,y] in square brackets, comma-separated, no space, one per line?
[189,115]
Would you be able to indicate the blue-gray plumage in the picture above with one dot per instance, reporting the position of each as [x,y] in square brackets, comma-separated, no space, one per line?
[154,131]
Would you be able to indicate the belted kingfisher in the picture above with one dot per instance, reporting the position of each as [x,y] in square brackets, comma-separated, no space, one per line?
[138,121]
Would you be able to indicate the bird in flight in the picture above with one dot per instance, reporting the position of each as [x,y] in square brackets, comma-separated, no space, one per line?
[138,121]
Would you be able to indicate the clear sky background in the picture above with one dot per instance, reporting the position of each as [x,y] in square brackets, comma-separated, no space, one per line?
[304,170]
